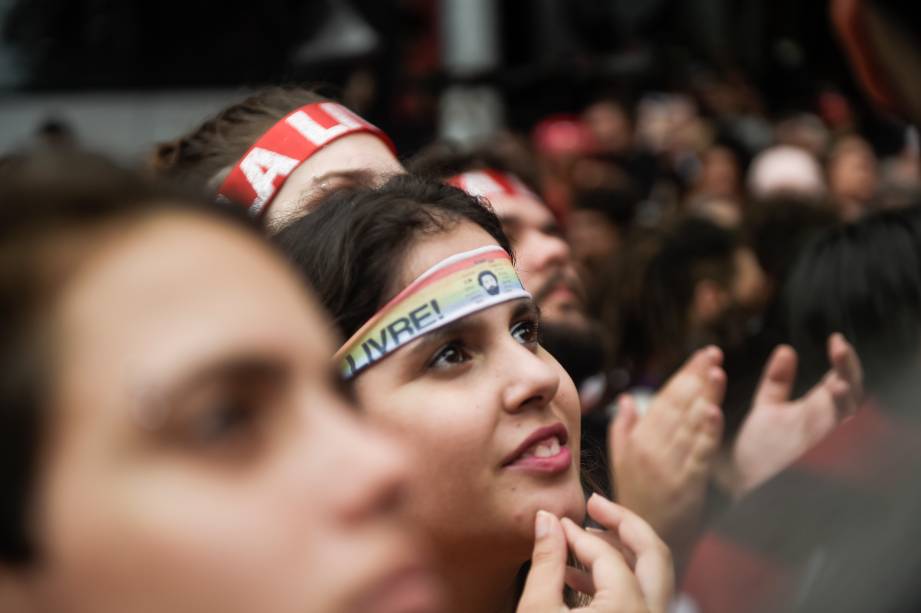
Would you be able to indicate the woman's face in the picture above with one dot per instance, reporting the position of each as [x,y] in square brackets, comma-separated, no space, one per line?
[200,456]
[469,397]
[357,159]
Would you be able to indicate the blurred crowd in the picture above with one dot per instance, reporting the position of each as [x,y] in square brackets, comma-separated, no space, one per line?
[660,354]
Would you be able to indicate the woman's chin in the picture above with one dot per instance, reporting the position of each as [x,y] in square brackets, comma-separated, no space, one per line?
[562,503]
[572,507]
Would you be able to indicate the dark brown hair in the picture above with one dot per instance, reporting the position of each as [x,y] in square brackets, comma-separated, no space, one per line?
[645,307]
[351,247]
[864,281]
[196,158]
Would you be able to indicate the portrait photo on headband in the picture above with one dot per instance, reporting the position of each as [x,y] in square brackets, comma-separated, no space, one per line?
[489,282]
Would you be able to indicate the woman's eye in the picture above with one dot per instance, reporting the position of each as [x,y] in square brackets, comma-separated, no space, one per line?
[449,355]
[223,422]
[526,332]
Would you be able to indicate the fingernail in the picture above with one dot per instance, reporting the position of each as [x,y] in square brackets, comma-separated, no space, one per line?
[542,525]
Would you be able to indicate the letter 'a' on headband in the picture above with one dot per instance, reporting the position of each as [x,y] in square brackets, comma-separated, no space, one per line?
[256,178]
[452,289]
[489,182]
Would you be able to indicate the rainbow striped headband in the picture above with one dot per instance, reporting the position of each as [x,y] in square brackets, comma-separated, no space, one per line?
[457,286]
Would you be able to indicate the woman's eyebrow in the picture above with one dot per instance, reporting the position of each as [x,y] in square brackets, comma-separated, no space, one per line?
[357,176]
[465,326]
[317,190]
[440,336]
[526,307]
[242,366]
[156,403]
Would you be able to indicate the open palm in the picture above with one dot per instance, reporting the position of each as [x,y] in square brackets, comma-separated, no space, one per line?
[779,430]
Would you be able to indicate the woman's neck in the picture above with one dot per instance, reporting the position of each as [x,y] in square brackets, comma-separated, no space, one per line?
[481,584]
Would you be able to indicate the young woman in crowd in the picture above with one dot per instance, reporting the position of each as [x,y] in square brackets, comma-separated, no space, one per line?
[443,348]
[172,437]
[277,152]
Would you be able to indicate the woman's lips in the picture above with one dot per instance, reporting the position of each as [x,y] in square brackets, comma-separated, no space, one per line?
[549,465]
[544,451]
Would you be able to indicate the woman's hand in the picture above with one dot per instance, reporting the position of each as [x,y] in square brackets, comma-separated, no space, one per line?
[661,463]
[779,430]
[627,568]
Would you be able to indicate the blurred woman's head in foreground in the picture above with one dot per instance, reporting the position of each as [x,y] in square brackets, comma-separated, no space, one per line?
[172,436]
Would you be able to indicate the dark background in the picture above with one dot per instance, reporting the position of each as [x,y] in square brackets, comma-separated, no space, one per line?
[556,55]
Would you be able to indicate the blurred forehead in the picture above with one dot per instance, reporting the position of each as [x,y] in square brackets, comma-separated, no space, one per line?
[356,152]
[178,289]
[522,209]
[361,158]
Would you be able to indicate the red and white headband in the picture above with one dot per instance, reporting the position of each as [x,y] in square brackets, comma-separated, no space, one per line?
[256,178]
[489,182]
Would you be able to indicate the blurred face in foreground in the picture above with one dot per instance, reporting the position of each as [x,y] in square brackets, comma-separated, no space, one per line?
[199,455]
[494,416]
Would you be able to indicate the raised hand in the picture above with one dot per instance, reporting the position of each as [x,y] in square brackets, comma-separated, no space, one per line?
[779,430]
[661,463]
[624,568]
